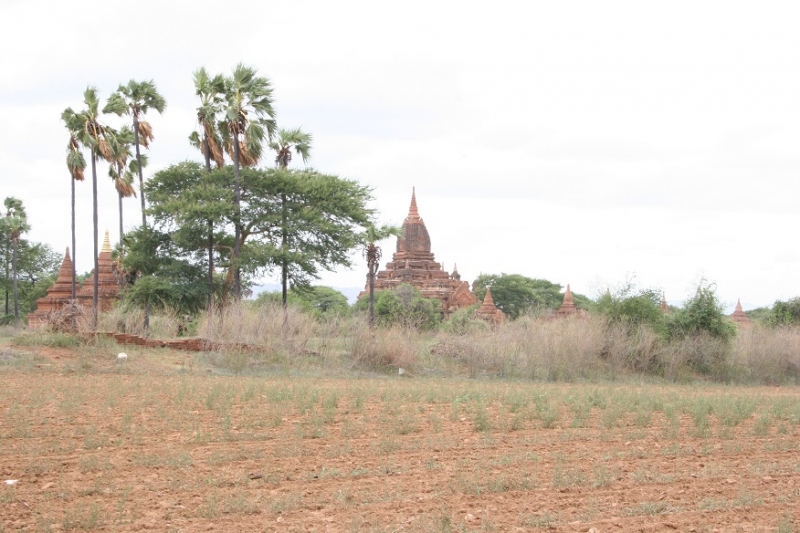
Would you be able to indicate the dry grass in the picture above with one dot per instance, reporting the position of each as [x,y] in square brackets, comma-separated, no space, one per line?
[768,355]
[531,347]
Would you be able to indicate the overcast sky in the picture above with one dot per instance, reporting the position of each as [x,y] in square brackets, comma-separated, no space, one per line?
[582,142]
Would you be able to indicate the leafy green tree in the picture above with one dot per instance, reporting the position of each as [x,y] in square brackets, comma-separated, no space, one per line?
[37,265]
[137,98]
[631,307]
[249,120]
[323,216]
[373,253]
[316,299]
[161,273]
[97,138]
[13,225]
[785,313]
[515,294]
[187,202]
[405,306]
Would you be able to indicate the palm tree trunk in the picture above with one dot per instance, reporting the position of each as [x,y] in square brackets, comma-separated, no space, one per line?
[207,153]
[14,270]
[96,250]
[237,282]
[139,164]
[371,294]
[146,321]
[119,195]
[72,180]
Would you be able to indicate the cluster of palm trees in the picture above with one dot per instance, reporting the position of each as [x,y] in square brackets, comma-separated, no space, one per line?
[88,131]
[236,116]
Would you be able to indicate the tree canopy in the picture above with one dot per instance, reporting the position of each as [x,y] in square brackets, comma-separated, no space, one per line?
[515,294]
[322,214]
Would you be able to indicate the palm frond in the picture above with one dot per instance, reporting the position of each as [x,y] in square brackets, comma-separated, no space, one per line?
[145,133]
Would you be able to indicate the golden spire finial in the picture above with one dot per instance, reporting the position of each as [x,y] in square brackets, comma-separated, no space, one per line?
[106,244]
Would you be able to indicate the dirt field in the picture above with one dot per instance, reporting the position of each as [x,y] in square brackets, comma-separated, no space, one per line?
[158,443]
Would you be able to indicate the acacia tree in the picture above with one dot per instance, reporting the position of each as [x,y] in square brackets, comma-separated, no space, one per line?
[372,253]
[249,119]
[136,98]
[98,138]
[284,142]
[324,218]
[14,224]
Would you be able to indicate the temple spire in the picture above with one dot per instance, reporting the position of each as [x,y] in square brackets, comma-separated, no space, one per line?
[106,244]
[413,212]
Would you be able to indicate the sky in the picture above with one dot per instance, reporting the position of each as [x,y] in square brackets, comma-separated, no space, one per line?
[581,142]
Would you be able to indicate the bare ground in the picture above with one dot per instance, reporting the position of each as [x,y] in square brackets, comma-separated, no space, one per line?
[156,443]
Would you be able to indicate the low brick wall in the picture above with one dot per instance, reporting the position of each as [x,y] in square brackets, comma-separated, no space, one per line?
[189,344]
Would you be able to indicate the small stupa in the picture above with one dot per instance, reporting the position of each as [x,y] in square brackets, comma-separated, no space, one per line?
[107,281]
[567,306]
[739,316]
[58,295]
[488,311]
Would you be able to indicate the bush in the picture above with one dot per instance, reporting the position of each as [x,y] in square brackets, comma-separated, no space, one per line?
[403,306]
[701,322]
[385,349]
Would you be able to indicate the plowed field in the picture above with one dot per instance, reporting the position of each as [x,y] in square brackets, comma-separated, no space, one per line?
[143,446]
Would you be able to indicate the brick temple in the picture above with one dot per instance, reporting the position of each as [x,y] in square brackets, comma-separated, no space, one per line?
[414,263]
[60,293]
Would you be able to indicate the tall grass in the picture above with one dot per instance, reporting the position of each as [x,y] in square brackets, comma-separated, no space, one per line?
[531,347]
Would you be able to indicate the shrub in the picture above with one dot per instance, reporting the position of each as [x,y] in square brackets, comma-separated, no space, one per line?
[384,349]
[403,306]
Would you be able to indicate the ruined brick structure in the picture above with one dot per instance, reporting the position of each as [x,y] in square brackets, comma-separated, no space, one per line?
[414,264]
[488,311]
[568,308]
[739,316]
[60,293]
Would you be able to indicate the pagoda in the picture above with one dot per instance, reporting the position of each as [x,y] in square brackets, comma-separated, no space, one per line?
[739,316]
[568,308]
[107,282]
[60,294]
[413,263]
[488,311]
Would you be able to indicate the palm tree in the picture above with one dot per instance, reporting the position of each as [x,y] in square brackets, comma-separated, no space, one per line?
[211,92]
[16,223]
[97,138]
[372,253]
[249,119]
[136,99]
[284,142]
[76,165]
[121,170]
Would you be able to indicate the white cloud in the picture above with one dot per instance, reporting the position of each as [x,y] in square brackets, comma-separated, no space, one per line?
[576,141]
